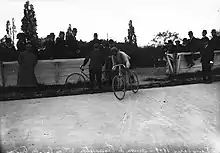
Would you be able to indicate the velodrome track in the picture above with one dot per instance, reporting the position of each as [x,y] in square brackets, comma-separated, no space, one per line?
[176,116]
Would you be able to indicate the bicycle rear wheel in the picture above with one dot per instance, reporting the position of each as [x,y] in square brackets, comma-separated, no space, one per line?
[118,87]
[133,80]
[75,80]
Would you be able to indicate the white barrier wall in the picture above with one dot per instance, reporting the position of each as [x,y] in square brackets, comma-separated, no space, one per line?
[49,72]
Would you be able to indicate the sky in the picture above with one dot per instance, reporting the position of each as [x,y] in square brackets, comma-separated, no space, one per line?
[112,17]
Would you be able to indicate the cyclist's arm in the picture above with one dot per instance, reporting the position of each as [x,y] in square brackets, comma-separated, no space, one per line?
[127,62]
[113,61]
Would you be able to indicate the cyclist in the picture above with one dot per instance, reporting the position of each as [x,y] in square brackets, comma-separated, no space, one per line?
[120,57]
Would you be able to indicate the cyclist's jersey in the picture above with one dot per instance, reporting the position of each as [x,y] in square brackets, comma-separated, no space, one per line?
[121,58]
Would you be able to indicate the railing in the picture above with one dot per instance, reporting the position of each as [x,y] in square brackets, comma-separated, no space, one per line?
[181,65]
[48,72]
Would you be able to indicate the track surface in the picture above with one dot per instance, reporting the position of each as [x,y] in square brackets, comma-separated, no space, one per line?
[173,115]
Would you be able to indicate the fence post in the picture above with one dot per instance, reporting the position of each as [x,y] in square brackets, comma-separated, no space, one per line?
[2,73]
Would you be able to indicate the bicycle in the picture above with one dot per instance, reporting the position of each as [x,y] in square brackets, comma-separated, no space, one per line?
[80,79]
[120,84]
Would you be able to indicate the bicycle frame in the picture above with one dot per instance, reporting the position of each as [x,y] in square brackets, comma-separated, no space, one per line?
[120,71]
[83,73]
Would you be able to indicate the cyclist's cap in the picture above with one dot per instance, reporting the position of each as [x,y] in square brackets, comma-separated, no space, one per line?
[114,49]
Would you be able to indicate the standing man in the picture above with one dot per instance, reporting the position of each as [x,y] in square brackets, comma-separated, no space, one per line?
[27,61]
[21,44]
[193,47]
[204,37]
[60,50]
[95,66]
[72,44]
[207,57]
[215,41]
[94,41]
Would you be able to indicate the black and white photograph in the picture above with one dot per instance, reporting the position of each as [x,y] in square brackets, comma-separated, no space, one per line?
[110,76]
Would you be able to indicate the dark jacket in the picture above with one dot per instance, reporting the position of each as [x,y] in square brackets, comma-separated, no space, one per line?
[207,54]
[92,43]
[215,42]
[96,60]
[193,45]
[204,39]
[21,46]
[72,45]
[60,48]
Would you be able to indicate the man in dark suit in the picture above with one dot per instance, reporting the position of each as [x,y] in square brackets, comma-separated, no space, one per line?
[215,41]
[95,67]
[193,46]
[94,41]
[207,57]
[204,37]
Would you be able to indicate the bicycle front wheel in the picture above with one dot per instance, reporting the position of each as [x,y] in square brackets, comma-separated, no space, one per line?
[133,80]
[75,80]
[118,87]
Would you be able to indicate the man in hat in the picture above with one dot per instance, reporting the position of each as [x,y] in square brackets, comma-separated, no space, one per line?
[72,43]
[215,41]
[207,57]
[21,44]
[27,61]
[95,67]
[204,37]
[94,41]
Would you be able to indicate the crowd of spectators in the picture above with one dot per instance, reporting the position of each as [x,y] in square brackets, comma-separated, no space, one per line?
[192,45]
[205,46]
[67,46]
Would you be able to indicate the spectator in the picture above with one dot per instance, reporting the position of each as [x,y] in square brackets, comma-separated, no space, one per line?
[207,57]
[171,48]
[72,44]
[21,42]
[179,47]
[193,42]
[94,41]
[204,37]
[60,50]
[50,46]
[95,66]
[185,45]
[215,40]
[27,61]
[193,46]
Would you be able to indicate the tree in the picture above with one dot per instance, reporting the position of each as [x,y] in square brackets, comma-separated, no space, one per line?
[162,37]
[14,31]
[8,28]
[126,40]
[29,22]
[132,39]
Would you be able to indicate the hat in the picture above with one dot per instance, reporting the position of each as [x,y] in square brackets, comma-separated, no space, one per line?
[114,49]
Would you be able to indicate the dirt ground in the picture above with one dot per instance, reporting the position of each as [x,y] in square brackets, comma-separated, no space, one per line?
[176,116]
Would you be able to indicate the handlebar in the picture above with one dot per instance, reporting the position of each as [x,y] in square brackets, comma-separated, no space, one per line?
[119,65]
